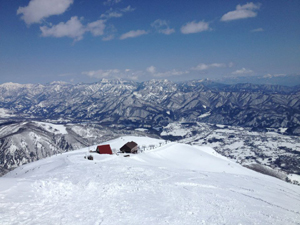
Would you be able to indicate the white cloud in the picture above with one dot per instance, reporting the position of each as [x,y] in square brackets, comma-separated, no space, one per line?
[159,23]
[257,30]
[102,73]
[171,73]
[111,2]
[167,31]
[111,13]
[248,6]
[274,75]
[114,73]
[162,26]
[72,28]
[242,71]
[194,27]
[203,66]
[108,38]
[127,9]
[151,69]
[242,12]
[40,9]
[217,65]
[133,34]
[97,27]
[133,74]
[110,31]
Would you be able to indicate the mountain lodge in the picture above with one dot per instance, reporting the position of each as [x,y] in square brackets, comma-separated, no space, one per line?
[104,149]
[129,147]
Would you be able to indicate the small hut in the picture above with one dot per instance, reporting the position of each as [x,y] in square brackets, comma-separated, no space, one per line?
[104,149]
[129,147]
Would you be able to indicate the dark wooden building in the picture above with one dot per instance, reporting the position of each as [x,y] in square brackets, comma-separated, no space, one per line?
[104,149]
[129,147]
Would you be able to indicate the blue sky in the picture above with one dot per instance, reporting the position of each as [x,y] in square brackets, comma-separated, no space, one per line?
[83,41]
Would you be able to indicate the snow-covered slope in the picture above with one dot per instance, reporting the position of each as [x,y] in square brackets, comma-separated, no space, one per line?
[267,150]
[24,142]
[168,183]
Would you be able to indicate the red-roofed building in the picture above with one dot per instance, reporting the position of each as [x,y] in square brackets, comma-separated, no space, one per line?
[104,149]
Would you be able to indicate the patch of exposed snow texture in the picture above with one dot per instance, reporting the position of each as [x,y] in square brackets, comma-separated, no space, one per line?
[204,115]
[282,130]
[141,129]
[175,129]
[171,184]
[5,113]
[53,128]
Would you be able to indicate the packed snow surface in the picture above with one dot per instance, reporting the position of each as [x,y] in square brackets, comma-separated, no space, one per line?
[170,184]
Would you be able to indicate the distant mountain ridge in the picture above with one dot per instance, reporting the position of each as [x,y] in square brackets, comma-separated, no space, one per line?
[156,103]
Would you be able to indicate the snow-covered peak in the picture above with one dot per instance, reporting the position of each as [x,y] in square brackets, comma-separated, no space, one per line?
[12,86]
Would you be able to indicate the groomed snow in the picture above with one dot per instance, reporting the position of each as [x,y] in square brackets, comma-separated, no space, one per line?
[171,184]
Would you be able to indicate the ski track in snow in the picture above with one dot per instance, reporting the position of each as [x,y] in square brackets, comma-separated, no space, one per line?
[160,186]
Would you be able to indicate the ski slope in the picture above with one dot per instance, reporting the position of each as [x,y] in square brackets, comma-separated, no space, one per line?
[170,184]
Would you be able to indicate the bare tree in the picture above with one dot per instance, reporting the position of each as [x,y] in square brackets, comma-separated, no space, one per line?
[144,147]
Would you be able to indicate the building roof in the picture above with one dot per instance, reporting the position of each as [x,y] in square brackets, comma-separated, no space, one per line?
[131,144]
[129,147]
[104,149]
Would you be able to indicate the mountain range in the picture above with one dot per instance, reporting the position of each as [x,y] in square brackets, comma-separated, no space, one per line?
[156,103]
[255,125]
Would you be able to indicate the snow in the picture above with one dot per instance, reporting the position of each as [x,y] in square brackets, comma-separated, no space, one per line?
[204,115]
[282,130]
[171,184]
[53,128]
[294,177]
[175,129]
[5,113]
[141,129]
[236,145]
[137,94]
